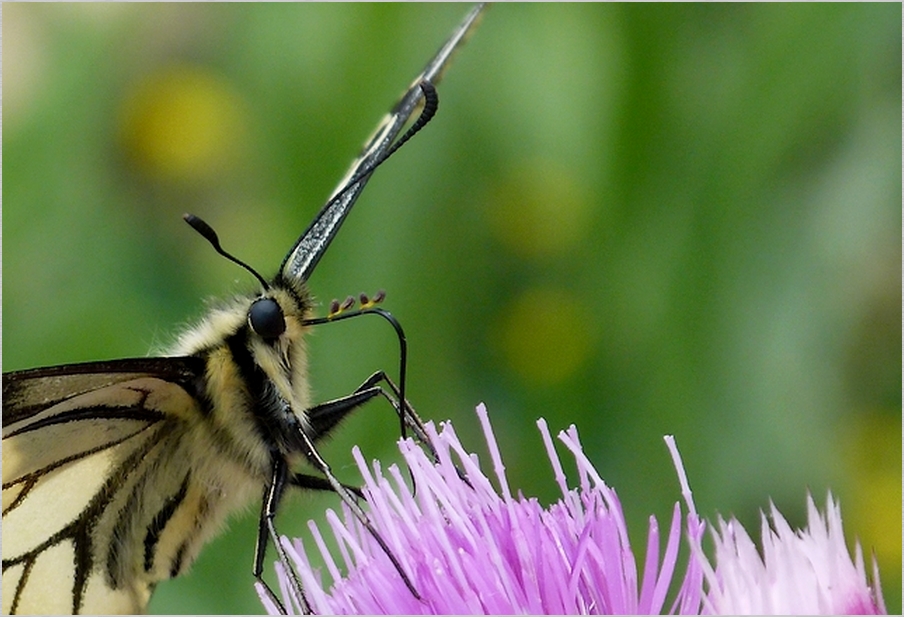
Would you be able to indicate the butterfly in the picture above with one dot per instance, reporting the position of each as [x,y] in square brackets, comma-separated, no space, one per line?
[116,473]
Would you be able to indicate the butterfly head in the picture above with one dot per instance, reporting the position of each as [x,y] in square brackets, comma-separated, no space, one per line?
[266,315]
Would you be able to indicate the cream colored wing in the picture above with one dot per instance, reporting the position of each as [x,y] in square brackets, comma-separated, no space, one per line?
[95,479]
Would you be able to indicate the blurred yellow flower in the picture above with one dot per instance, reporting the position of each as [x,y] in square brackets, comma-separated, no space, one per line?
[181,123]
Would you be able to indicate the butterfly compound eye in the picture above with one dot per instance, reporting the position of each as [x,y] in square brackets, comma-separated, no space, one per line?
[267,318]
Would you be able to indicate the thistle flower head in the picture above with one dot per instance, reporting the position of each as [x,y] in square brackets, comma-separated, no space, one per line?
[469,547]
[805,572]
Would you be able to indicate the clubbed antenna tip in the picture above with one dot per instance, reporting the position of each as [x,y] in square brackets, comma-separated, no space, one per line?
[210,235]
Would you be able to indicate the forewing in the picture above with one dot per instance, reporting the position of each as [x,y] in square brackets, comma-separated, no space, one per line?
[80,443]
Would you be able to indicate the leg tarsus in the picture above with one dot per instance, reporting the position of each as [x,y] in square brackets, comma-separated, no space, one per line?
[354,507]
[273,493]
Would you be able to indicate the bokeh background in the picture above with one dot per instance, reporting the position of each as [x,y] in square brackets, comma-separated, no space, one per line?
[640,219]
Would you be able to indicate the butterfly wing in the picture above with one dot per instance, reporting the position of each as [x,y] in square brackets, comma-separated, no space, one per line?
[310,247]
[86,496]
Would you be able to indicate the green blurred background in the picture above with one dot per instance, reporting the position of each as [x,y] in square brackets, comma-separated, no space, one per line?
[641,219]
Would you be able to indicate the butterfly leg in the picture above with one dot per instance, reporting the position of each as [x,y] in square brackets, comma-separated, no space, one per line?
[267,529]
[316,483]
[273,493]
[408,415]
[403,408]
[325,416]
[348,496]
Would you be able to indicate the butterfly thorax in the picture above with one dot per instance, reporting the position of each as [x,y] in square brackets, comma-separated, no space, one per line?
[255,391]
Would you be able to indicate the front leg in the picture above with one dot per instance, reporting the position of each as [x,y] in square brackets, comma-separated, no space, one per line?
[325,416]
[348,497]
[322,419]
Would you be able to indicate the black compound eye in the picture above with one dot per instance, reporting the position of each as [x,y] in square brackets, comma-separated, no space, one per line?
[267,318]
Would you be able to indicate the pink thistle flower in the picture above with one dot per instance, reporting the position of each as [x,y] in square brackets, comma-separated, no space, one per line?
[799,572]
[470,550]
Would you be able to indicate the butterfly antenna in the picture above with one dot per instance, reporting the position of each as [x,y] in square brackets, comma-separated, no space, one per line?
[210,235]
